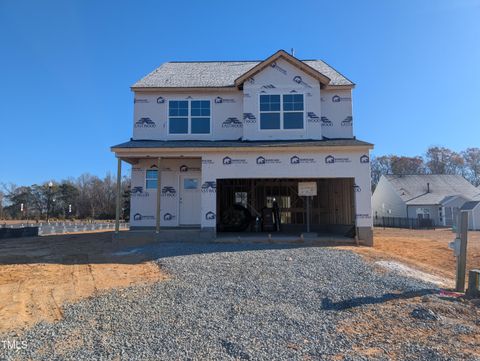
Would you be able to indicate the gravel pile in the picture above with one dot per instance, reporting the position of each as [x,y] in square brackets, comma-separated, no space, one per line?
[242,302]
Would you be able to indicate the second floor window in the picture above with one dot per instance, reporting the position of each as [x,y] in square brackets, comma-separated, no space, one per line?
[281,111]
[189,116]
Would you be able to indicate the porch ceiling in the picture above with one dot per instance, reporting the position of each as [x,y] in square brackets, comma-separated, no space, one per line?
[134,159]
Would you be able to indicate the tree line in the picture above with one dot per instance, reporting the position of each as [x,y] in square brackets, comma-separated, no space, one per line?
[86,197]
[437,160]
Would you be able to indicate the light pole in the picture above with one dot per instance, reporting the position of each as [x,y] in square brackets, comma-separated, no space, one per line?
[49,195]
[1,205]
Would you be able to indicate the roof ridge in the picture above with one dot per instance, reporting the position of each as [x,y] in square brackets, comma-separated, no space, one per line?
[213,61]
[236,61]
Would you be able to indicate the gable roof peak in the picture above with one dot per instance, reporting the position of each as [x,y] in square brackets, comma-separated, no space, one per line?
[324,80]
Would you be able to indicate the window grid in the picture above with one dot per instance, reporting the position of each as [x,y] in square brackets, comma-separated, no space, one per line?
[194,114]
[151,177]
[276,108]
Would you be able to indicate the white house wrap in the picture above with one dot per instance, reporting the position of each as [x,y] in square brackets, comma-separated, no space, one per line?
[230,134]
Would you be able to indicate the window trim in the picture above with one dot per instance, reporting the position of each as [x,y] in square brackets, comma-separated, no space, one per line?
[189,117]
[281,111]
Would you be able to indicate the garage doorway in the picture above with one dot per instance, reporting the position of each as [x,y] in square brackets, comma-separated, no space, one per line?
[244,205]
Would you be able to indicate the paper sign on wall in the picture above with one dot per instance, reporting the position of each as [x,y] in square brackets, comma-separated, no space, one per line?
[307,189]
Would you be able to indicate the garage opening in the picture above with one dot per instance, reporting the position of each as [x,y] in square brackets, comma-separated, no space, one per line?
[273,205]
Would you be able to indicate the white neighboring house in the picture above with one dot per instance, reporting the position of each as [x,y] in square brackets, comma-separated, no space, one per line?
[473,210]
[438,197]
[209,135]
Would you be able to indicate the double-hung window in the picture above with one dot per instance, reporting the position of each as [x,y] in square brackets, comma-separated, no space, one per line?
[189,116]
[281,111]
[270,111]
[151,179]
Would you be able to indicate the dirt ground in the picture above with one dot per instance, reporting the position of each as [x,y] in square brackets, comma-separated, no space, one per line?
[423,249]
[39,274]
[383,329]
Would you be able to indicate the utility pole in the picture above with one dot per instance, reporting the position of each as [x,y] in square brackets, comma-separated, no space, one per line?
[459,246]
[49,195]
[462,258]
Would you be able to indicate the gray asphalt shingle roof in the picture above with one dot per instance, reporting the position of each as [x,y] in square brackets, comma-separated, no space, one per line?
[239,143]
[413,188]
[217,74]
[468,206]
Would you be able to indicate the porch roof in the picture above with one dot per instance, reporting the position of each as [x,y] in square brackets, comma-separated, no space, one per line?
[468,206]
[137,144]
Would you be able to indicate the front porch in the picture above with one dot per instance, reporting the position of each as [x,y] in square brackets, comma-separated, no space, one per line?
[165,193]
[182,192]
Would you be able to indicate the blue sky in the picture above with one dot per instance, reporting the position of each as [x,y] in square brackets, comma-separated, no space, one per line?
[66,68]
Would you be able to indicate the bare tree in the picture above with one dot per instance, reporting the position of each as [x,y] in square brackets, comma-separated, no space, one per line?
[89,197]
[407,165]
[84,206]
[379,166]
[441,160]
[2,196]
[471,157]
[392,164]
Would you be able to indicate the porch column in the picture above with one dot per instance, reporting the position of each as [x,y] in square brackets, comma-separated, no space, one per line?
[119,190]
[159,190]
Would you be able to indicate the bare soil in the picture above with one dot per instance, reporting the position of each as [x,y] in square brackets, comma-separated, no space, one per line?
[383,330]
[423,249]
[39,274]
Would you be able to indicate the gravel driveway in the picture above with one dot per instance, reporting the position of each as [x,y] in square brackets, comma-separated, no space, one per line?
[244,302]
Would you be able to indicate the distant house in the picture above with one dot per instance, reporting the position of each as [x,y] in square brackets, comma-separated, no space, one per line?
[473,210]
[433,196]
